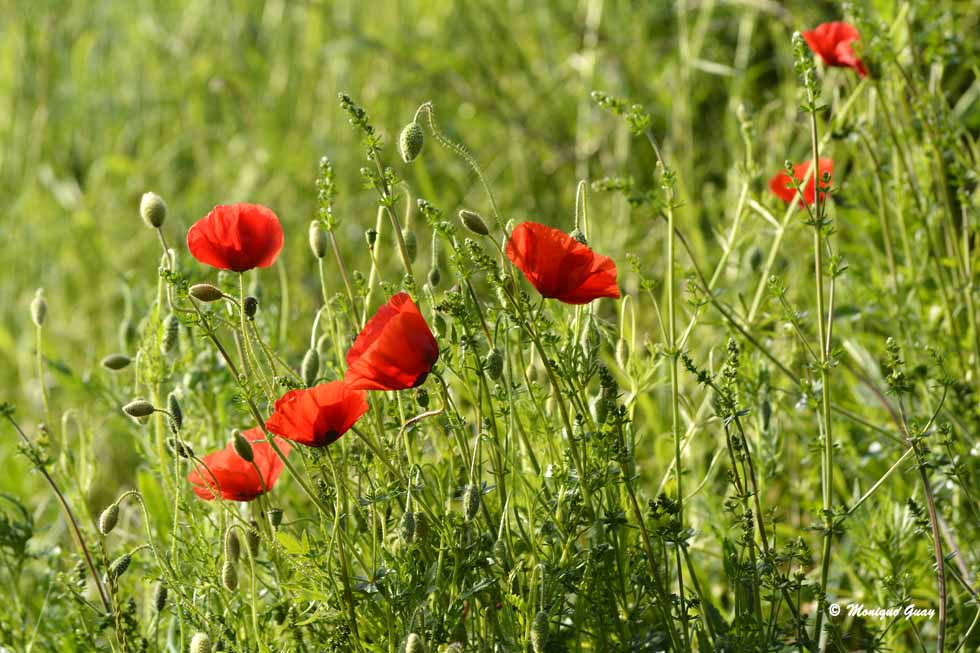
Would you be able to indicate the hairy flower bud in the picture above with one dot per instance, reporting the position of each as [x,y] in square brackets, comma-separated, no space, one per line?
[160,597]
[471,501]
[242,446]
[414,644]
[495,364]
[39,308]
[275,517]
[229,576]
[410,141]
[539,632]
[200,643]
[182,449]
[176,413]
[310,368]
[153,210]
[252,538]
[251,305]
[411,244]
[318,240]
[138,408]
[108,518]
[119,566]
[435,276]
[422,397]
[171,332]
[407,527]
[474,222]
[233,547]
[205,292]
[116,362]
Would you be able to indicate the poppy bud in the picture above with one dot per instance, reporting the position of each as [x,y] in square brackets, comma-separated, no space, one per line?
[310,367]
[275,517]
[407,527]
[474,222]
[127,333]
[229,576]
[410,141]
[160,597]
[539,632]
[411,244]
[39,307]
[371,237]
[200,643]
[153,210]
[176,413]
[495,364]
[119,566]
[318,240]
[108,519]
[251,305]
[242,446]
[323,345]
[435,276]
[138,408]
[182,449]
[252,538]
[233,547]
[205,292]
[422,397]
[116,362]
[414,644]
[171,331]
[471,501]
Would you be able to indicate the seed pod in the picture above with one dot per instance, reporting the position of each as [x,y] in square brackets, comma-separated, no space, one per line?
[371,237]
[108,518]
[310,368]
[127,333]
[252,538]
[233,547]
[422,397]
[471,501]
[180,448]
[435,276]
[138,408]
[176,413]
[414,644]
[153,210]
[171,332]
[200,643]
[407,527]
[539,632]
[251,305]
[275,517]
[474,222]
[242,446]
[119,566]
[495,364]
[205,292]
[411,244]
[229,576]
[116,362]
[160,597]
[318,240]
[410,141]
[39,308]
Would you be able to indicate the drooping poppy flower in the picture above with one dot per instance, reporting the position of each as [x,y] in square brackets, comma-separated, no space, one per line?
[235,478]
[394,351]
[559,266]
[317,416]
[236,237]
[781,187]
[832,42]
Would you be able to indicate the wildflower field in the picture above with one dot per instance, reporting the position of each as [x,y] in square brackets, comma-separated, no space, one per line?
[431,326]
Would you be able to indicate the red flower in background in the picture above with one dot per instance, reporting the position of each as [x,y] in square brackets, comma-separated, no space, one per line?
[235,478]
[394,351]
[780,183]
[832,42]
[559,266]
[318,416]
[237,237]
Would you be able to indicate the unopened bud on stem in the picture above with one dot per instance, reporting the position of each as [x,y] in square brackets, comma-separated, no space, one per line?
[153,210]
[139,408]
[410,141]
[242,446]
[205,292]
[474,222]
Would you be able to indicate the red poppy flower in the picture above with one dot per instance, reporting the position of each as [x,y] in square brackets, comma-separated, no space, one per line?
[832,42]
[234,477]
[238,237]
[394,351]
[780,183]
[559,266]
[318,416]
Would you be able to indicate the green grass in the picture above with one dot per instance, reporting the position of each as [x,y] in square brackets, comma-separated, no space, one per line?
[216,103]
